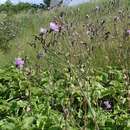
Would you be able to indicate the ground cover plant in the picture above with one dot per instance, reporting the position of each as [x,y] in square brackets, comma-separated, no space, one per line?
[66,68]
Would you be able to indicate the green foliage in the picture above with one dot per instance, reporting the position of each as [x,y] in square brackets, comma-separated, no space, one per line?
[8,31]
[23,104]
[63,89]
[16,8]
[7,6]
[22,7]
[39,101]
[47,2]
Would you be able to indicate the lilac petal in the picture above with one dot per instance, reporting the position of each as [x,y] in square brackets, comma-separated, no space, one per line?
[107,104]
[128,31]
[19,62]
[54,27]
[22,62]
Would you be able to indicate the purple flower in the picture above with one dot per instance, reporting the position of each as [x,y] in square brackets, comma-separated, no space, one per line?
[128,31]
[19,62]
[107,104]
[54,26]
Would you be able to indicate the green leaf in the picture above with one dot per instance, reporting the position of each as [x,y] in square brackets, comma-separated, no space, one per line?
[55,128]
[27,122]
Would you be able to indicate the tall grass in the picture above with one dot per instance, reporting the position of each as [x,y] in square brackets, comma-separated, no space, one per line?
[101,52]
[73,89]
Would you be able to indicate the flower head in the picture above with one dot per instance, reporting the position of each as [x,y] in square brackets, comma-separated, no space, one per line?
[19,62]
[107,104]
[54,26]
[128,31]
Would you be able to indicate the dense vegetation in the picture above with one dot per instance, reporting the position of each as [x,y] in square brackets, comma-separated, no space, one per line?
[9,7]
[77,78]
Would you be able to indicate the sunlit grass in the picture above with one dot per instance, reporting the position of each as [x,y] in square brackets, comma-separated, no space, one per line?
[104,50]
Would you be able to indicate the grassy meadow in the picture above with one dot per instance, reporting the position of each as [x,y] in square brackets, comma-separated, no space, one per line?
[30,23]
[75,79]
